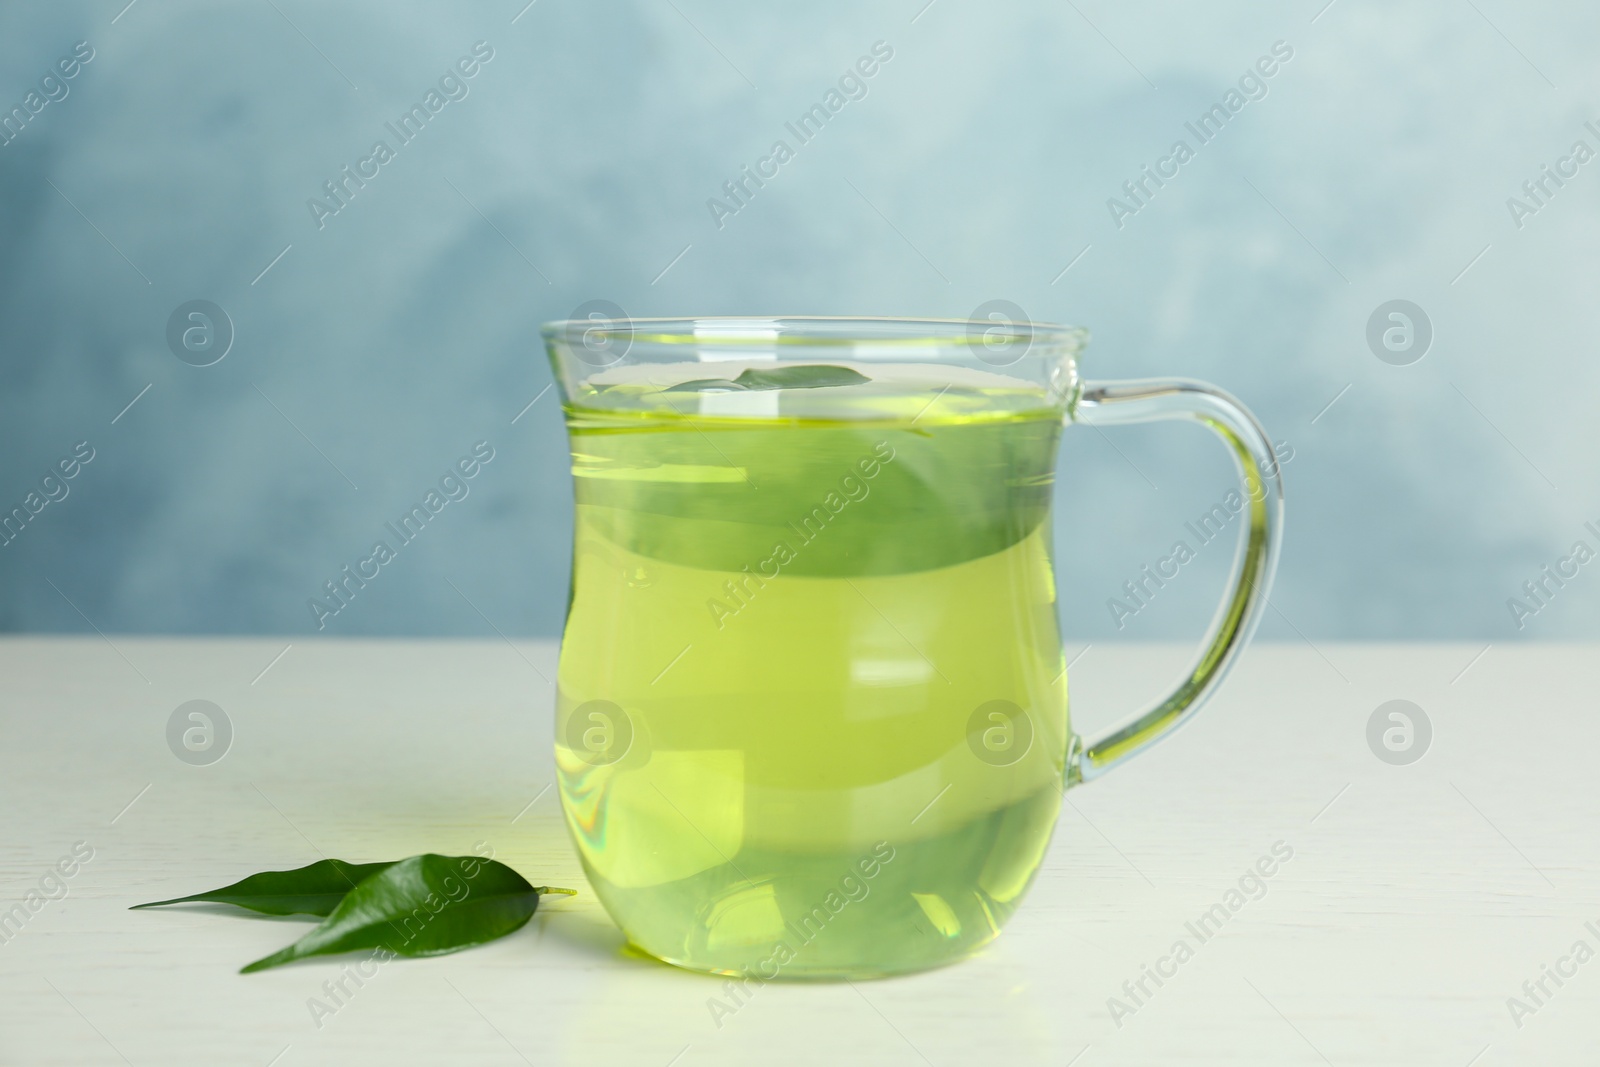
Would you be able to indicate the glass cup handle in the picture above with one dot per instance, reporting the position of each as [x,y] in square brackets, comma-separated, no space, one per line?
[1148,400]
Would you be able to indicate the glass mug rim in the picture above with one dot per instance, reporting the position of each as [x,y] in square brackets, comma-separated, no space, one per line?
[1042,354]
[742,330]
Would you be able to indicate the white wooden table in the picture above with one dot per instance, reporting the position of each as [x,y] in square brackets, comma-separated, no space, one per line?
[1418,900]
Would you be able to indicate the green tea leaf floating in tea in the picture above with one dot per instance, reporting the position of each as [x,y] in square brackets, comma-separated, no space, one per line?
[799,377]
[315,889]
[701,385]
[807,376]
[424,906]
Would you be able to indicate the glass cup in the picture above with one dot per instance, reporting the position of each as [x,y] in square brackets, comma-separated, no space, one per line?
[812,703]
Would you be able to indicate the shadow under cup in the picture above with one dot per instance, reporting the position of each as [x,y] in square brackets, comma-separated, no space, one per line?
[812,714]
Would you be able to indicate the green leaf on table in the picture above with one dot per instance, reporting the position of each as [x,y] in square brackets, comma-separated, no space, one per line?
[315,889]
[801,376]
[424,906]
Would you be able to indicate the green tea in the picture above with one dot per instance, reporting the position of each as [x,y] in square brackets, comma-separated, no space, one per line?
[812,713]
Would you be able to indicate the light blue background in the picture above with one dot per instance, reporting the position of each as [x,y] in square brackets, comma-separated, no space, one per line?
[979,165]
